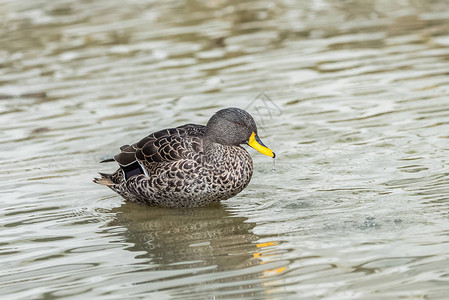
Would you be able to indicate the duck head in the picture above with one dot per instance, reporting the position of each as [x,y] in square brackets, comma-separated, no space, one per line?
[234,126]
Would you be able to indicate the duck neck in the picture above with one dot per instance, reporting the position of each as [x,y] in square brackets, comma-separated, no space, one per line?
[214,152]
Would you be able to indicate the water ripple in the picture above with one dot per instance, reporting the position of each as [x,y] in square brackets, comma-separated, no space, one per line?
[357,206]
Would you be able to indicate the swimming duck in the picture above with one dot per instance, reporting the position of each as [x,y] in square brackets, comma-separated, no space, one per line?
[190,165]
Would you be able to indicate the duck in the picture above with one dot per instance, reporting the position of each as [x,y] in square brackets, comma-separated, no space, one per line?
[190,165]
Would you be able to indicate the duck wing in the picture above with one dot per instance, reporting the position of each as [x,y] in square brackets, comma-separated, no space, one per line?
[167,145]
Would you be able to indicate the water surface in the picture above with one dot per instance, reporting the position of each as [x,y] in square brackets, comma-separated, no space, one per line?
[355,107]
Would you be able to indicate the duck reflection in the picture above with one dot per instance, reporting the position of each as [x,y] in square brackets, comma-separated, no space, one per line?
[206,240]
[205,236]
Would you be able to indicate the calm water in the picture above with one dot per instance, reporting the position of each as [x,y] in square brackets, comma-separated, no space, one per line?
[356,108]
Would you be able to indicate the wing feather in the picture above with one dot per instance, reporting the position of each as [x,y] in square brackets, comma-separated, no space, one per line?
[183,142]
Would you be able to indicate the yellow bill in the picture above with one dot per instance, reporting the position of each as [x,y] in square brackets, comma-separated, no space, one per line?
[255,142]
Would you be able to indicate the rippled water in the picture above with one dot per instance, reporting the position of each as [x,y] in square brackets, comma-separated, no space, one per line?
[355,106]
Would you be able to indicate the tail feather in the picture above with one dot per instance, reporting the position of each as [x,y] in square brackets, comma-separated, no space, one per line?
[104,180]
[107,160]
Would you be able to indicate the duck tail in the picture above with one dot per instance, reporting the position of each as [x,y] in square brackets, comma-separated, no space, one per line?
[107,160]
[106,179]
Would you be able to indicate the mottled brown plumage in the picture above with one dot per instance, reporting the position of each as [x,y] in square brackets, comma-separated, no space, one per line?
[187,166]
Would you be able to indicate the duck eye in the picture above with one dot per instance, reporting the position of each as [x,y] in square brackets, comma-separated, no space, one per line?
[240,123]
